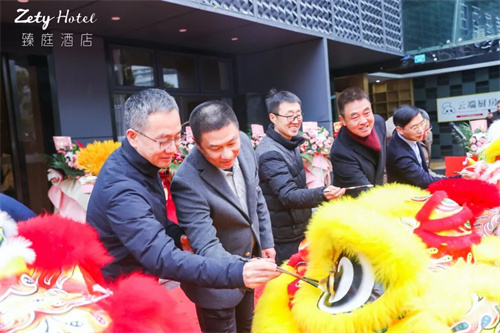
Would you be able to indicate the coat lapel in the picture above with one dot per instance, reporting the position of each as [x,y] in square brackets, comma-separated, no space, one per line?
[364,151]
[214,178]
[245,160]
[405,146]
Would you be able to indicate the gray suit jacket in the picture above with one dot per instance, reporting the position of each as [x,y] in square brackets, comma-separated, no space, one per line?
[214,221]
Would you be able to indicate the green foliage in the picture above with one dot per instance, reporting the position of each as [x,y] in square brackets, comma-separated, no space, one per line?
[59,163]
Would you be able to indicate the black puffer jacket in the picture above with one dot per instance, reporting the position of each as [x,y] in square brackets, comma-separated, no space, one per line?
[283,183]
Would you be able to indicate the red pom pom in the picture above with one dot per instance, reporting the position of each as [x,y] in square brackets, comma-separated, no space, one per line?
[61,243]
[477,194]
[140,304]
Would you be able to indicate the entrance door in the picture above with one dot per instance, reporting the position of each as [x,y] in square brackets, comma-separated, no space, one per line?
[27,126]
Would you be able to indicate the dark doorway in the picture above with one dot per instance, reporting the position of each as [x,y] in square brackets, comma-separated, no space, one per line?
[27,126]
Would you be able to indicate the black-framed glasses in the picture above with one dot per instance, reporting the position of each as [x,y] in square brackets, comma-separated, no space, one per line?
[163,145]
[290,118]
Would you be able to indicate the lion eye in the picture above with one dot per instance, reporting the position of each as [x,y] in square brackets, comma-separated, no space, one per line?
[354,285]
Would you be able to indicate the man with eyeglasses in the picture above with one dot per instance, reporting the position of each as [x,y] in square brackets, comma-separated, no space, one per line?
[405,157]
[358,152]
[282,175]
[127,205]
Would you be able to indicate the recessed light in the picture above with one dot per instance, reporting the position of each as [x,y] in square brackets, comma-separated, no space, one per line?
[22,1]
[183,30]
[377,81]
[234,39]
[115,18]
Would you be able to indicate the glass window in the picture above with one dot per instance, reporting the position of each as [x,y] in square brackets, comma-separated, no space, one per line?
[178,71]
[215,74]
[133,67]
[119,103]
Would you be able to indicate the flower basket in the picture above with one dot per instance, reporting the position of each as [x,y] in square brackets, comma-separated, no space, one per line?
[315,152]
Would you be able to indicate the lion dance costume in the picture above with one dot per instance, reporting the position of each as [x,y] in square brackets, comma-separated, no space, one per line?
[50,281]
[403,260]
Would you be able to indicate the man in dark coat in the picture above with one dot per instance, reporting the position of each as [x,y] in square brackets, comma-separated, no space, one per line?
[220,205]
[127,205]
[358,152]
[282,175]
[405,157]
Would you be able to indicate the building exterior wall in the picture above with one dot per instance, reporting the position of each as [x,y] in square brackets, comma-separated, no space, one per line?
[426,90]
[300,68]
[374,24]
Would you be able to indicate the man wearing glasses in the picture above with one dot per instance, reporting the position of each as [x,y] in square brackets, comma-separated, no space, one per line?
[127,205]
[406,162]
[358,152]
[282,175]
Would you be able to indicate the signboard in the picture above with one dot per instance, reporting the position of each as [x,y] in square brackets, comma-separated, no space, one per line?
[419,58]
[62,142]
[466,107]
[309,126]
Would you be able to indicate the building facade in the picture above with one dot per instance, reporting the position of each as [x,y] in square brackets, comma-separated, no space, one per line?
[68,67]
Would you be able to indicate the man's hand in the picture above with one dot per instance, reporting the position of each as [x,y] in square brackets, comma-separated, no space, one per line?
[258,271]
[332,192]
[466,174]
[269,253]
[186,244]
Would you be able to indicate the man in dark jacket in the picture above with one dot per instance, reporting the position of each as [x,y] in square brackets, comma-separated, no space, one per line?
[405,157]
[358,152]
[282,175]
[127,205]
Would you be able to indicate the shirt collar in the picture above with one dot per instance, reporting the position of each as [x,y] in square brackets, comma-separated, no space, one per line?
[230,173]
[410,143]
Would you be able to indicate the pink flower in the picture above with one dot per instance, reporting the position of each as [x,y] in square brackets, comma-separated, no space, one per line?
[482,140]
[472,140]
[479,143]
[473,147]
[314,147]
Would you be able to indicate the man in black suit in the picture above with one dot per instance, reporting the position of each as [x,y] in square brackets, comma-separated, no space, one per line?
[358,152]
[405,158]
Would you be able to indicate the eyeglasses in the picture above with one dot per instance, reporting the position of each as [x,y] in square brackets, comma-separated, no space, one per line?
[163,145]
[418,127]
[290,118]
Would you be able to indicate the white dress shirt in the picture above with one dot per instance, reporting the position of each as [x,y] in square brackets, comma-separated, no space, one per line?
[414,146]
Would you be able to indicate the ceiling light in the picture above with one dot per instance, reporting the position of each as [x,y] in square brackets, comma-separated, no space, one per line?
[183,30]
[234,39]
[377,81]
[115,18]
[22,1]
